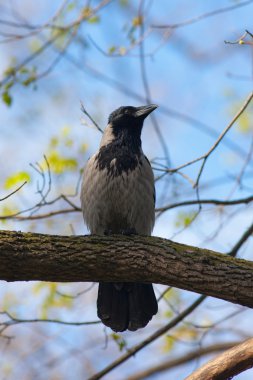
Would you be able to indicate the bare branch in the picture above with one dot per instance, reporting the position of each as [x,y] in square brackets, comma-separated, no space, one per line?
[16,321]
[241,40]
[146,86]
[46,215]
[29,59]
[13,192]
[172,363]
[91,118]
[224,132]
[232,362]
[71,28]
[241,241]
[217,142]
[203,16]
[217,202]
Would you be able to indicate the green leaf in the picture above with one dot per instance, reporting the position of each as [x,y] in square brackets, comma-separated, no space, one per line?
[137,21]
[8,209]
[119,340]
[52,298]
[35,45]
[23,70]
[244,123]
[94,20]
[65,131]
[169,343]
[29,80]
[68,143]
[8,85]
[124,3]
[59,164]
[86,12]
[189,333]
[10,71]
[83,148]
[54,142]
[16,178]
[70,6]
[112,50]
[7,99]
[184,219]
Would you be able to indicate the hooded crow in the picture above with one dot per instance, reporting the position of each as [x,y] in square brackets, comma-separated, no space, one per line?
[118,197]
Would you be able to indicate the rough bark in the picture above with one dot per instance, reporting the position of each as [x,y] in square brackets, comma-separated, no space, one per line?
[227,365]
[31,257]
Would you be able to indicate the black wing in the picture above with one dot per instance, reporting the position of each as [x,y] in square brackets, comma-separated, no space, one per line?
[154,193]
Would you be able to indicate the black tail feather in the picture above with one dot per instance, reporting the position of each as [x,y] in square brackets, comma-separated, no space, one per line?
[142,305]
[126,306]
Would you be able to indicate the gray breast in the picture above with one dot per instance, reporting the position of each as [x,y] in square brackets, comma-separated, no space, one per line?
[118,201]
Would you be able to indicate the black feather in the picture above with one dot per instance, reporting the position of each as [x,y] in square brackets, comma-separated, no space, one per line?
[142,305]
[112,306]
[127,158]
[126,306]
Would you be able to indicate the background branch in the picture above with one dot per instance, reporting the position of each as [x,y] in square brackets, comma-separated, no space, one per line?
[203,16]
[182,359]
[232,362]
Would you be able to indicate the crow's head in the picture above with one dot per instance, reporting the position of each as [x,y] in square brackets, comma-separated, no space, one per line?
[125,124]
[129,117]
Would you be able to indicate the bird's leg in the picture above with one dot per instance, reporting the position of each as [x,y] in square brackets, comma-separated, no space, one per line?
[128,231]
[108,232]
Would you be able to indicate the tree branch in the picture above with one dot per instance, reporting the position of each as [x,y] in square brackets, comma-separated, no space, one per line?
[181,359]
[12,321]
[228,364]
[203,16]
[32,257]
[13,192]
[217,202]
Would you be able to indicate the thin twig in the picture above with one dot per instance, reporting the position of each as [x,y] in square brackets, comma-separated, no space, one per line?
[236,117]
[241,241]
[13,192]
[203,16]
[214,146]
[217,202]
[15,321]
[145,82]
[241,40]
[91,118]
[39,216]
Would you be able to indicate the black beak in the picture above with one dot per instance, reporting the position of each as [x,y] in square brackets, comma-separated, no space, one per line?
[144,111]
